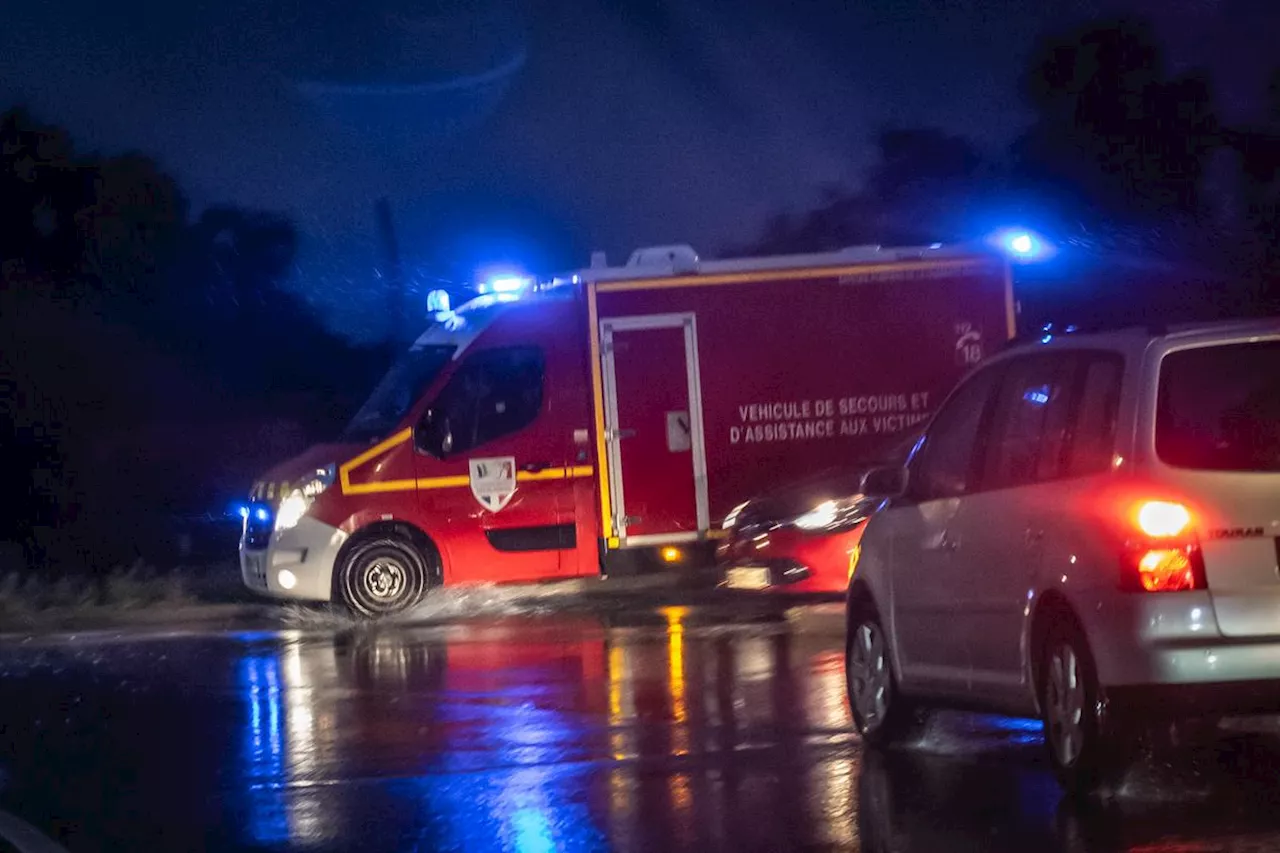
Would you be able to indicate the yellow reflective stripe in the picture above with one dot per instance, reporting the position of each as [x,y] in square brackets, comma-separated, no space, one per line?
[374,488]
[789,275]
[556,473]
[597,405]
[344,470]
[444,482]
[544,474]
[1010,306]
[451,482]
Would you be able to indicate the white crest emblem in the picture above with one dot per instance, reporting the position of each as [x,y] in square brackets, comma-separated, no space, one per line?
[493,481]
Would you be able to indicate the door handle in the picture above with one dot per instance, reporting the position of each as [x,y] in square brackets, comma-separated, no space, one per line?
[535,467]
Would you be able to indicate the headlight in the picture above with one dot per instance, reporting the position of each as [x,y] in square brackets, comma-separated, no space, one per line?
[299,500]
[835,515]
[732,518]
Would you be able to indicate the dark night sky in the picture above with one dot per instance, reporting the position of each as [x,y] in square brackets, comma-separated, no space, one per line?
[541,129]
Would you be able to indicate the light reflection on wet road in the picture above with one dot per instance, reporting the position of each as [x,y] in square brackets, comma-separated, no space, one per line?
[675,728]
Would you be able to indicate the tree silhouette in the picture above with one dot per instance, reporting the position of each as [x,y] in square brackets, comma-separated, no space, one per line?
[111,223]
[1113,131]
[916,160]
[1159,209]
[923,187]
[132,225]
[1257,192]
[128,330]
[240,257]
[41,189]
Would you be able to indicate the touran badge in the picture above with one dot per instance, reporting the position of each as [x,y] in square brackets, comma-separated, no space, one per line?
[493,481]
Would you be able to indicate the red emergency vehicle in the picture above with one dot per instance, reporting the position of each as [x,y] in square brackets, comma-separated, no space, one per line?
[608,420]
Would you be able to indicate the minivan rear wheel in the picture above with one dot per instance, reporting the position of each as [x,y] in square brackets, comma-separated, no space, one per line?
[880,712]
[1084,755]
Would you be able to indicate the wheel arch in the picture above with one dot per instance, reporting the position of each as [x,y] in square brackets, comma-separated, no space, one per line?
[1052,608]
[398,529]
[860,598]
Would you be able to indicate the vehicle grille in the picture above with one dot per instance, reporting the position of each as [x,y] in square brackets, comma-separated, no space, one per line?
[257,569]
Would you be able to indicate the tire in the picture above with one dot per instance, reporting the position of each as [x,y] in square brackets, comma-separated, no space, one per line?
[1085,756]
[881,715]
[381,576]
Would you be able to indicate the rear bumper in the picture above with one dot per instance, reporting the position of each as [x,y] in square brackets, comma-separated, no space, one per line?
[1227,698]
[307,552]
[1164,656]
[1204,665]
[1171,639]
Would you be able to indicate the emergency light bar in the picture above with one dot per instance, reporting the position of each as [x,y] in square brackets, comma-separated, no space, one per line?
[505,284]
[1022,246]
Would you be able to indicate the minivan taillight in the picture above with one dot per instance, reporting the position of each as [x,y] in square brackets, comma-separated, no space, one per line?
[1169,569]
[1163,554]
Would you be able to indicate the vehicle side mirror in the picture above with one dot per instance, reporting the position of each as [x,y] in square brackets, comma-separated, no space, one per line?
[887,482]
[429,437]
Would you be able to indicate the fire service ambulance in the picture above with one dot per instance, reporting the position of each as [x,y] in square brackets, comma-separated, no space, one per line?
[607,421]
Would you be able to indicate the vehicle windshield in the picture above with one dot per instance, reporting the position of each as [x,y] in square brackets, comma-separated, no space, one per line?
[397,392]
[1219,408]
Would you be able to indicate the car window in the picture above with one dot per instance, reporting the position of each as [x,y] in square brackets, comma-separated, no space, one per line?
[1219,408]
[943,467]
[493,394]
[1031,421]
[402,386]
[1094,434]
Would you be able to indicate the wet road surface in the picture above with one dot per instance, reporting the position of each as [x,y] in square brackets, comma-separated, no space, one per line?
[668,728]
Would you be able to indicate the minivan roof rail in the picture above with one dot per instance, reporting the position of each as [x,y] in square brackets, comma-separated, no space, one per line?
[1054,330]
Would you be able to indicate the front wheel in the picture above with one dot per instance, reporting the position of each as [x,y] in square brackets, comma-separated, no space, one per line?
[880,714]
[382,576]
[1083,755]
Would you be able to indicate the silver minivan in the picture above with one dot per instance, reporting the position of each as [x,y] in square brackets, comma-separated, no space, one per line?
[1088,532]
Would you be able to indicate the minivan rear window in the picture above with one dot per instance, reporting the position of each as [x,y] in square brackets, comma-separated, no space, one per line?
[1219,408]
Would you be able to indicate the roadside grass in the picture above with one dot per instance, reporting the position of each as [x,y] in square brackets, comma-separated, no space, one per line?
[28,597]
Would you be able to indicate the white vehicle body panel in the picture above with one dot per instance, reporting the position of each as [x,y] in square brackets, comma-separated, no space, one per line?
[960,581]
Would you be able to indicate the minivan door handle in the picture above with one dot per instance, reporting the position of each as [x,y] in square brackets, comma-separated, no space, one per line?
[535,467]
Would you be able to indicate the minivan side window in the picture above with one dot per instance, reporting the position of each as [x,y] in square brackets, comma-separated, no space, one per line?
[494,393]
[1094,435]
[1031,422]
[944,466]
[1055,417]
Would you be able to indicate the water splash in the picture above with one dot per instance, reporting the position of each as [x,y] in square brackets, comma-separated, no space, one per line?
[948,733]
[443,605]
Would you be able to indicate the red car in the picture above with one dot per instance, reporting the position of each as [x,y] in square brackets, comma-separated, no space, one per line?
[799,539]
[803,537]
